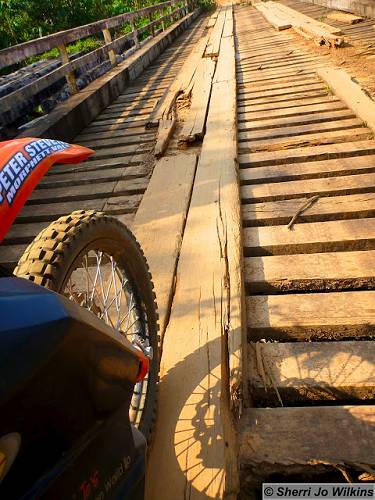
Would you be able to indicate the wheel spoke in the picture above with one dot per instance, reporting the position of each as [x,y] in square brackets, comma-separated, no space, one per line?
[103,287]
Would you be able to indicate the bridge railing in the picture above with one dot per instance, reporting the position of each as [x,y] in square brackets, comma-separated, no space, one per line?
[18,53]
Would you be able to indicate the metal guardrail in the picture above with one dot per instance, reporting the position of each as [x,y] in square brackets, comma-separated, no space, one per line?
[18,53]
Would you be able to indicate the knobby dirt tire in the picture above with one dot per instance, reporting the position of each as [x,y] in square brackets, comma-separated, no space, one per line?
[49,259]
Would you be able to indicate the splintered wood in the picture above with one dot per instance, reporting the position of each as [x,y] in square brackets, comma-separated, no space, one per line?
[193,83]
[194,125]
[164,115]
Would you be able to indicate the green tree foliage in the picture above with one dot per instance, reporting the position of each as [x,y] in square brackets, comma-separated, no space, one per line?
[22,20]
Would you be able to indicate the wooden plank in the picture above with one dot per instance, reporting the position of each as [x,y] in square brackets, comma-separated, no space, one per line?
[298,19]
[310,237]
[271,83]
[95,128]
[302,119]
[292,131]
[228,25]
[316,271]
[311,371]
[193,370]
[159,224]
[100,143]
[120,112]
[263,63]
[259,72]
[280,89]
[344,17]
[164,134]
[298,155]
[180,83]
[92,166]
[308,170]
[213,45]
[330,186]
[302,140]
[332,208]
[194,126]
[24,233]
[292,111]
[93,177]
[212,21]
[86,191]
[321,37]
[96,136]
[165,113]
[279,15]
[278,22]
[251,107]
[285,97]
[351,93]
[120,151]
[51,211]
[288,436]
[315,316]
[269,76]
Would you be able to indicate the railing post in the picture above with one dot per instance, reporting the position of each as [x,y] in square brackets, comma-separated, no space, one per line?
[108,39]
[135,34]
[70,78]
[170,8]
[152,27]
[162,21]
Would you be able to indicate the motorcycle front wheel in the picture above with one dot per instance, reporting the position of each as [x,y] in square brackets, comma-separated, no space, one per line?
[94,260]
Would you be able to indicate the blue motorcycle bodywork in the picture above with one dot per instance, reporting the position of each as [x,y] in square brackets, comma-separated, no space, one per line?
[66,382]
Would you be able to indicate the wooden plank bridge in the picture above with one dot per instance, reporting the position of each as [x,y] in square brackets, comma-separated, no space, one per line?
[254,200]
